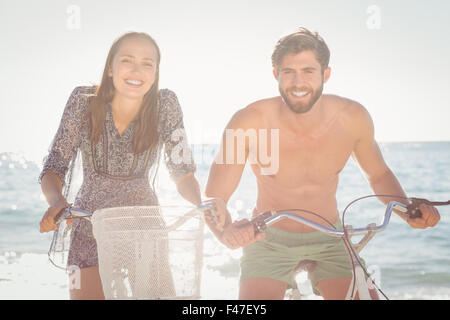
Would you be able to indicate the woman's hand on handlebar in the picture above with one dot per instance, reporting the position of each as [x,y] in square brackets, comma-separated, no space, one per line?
[48,220]
[219,218]
[239,234]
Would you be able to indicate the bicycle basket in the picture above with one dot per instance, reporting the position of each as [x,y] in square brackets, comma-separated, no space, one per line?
[152,252]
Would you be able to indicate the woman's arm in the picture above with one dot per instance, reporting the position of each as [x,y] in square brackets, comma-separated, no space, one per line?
[52,189]
[179,159]
[67,139]
[189,188]
[62,151]
[51,186]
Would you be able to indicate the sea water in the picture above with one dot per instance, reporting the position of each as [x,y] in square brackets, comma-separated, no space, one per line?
[406,263]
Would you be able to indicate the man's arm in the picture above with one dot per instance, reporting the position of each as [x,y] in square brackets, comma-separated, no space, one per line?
[381,179]
[225,174]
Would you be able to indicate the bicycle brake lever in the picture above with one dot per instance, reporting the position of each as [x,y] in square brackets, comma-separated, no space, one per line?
[259,224]
[413,210]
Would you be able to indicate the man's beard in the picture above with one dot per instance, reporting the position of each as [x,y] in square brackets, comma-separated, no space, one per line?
[303,106]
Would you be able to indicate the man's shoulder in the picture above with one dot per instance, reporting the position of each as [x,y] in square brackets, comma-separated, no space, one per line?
[347,107]
[256,112]
[354,115]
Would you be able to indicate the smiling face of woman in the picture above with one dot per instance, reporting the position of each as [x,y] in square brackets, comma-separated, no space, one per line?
[134,68]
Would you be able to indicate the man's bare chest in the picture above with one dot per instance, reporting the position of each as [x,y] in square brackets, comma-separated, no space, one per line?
[311,160]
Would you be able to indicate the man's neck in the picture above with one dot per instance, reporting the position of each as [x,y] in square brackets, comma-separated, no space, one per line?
[303,123]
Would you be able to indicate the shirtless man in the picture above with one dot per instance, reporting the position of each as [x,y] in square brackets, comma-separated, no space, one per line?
[317,135]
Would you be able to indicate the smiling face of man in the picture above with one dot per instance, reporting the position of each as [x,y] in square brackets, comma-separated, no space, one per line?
[300,80]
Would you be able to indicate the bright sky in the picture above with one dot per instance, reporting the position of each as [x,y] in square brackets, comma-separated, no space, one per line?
[391,56]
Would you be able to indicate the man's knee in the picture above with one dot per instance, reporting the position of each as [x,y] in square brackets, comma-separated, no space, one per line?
[337,289]
[334,289]
[262,289]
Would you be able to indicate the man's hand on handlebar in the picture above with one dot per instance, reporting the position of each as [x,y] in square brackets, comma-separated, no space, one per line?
[429,217]
[232,234]
[240,233]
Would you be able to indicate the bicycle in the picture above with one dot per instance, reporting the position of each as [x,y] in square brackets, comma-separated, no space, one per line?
[361,280]
[150,233]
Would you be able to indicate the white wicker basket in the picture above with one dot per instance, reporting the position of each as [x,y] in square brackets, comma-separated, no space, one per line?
[149,252]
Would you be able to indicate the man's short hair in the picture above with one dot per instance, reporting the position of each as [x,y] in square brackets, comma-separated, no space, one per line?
[299,41]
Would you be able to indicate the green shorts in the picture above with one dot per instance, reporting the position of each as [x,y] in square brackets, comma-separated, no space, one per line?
[277,256]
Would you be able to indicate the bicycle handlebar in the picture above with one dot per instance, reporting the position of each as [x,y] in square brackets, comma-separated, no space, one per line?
[72,213]
[270,217]
[411,209]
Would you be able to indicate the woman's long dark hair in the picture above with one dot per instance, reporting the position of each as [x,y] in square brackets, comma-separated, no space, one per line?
[146,130]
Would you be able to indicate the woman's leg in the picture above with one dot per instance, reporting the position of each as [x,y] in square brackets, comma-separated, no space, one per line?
[89,284]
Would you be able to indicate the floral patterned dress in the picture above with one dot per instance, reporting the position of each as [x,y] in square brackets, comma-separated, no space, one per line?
[113,176]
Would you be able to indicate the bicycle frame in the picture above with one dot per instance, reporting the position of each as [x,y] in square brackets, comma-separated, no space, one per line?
[362,287]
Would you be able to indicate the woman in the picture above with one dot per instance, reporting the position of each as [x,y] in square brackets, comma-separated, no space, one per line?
[119,128]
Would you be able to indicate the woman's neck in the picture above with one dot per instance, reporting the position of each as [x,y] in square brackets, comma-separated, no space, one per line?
[125,109]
